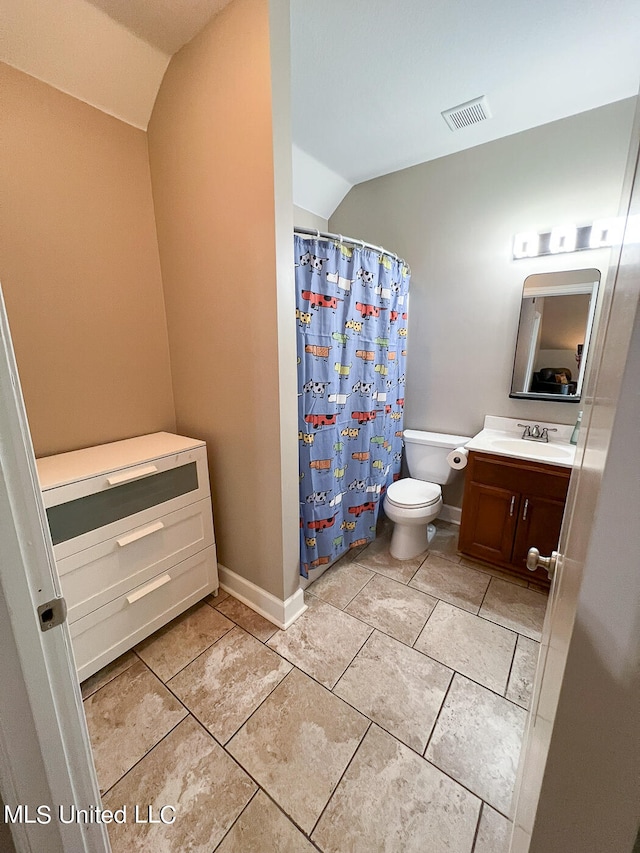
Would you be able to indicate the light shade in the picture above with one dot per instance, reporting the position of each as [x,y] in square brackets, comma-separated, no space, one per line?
[563,239]
[606,232]
[526,244]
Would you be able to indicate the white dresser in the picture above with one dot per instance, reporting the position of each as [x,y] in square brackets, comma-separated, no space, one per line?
[133,538]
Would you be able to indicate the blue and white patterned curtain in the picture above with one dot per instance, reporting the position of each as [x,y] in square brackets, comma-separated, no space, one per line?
[352,318]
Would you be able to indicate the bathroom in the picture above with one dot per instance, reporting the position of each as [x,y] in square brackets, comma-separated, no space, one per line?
[159,313]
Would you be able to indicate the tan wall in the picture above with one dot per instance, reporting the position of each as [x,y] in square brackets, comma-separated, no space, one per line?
[212,166]
[80,270]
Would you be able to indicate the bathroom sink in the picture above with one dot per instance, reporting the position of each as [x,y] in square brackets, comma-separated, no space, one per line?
[504,437]
[533,448]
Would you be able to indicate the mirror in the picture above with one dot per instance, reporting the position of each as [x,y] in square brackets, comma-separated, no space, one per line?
[556,321]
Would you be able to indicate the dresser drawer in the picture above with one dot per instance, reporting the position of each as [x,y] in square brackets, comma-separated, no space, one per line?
[97,575]
[102,635]
[84,513]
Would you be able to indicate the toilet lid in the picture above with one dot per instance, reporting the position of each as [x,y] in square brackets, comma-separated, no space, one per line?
[413,493]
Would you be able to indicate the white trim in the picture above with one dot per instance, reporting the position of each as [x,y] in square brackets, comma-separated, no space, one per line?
[281,613]
[449,513]
[535,290]
[46,754]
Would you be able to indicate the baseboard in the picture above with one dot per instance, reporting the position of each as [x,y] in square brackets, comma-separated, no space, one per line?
[452,514]
[281,613]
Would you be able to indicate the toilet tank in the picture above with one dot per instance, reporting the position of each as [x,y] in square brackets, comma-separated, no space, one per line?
[426,454]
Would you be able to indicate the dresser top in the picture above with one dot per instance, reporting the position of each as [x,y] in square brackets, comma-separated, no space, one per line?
[65,468]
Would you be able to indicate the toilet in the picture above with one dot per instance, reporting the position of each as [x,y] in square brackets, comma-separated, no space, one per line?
[414,502]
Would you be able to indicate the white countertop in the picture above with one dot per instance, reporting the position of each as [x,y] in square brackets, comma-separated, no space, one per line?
[503,437]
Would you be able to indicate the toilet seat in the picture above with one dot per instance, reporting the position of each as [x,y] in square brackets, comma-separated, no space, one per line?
[413,494]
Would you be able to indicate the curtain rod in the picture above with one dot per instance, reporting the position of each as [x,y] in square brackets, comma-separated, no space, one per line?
[327,235]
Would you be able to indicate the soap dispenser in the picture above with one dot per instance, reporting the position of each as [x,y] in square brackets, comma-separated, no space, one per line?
[576,430]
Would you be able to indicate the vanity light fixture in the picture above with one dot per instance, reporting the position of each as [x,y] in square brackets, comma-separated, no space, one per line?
[563,239]
[605,232]
[570,238]
[526,245]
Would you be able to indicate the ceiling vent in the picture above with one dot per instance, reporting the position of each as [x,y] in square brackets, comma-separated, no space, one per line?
[467,114]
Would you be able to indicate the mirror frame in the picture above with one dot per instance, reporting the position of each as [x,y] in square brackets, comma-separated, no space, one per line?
[579,281]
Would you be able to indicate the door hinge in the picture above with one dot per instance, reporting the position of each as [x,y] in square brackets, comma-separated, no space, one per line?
[52,613]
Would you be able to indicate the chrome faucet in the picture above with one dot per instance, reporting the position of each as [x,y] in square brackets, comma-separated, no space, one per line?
[534,433]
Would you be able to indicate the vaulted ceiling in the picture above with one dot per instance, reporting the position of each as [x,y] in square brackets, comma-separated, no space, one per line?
[370,78]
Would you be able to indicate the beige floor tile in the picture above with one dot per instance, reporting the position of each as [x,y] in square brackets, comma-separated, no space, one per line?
[522,610]
[191,772]
[376,557]
[247,618]
[107,674]
[217,599]
[494,832]
[173,647]
[396,687]
[477,741]
[351,556]
[322,642]
[392,800]
[539,587]
[392,607]
[451,582]
[523,672]
[126,718]
[494,572]
[469,644]
[298,744]
[341,583]
[262,828]
[225,685]
[445,542]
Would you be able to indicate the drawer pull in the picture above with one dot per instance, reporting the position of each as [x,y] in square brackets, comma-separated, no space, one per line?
[513,500]
[140,533]
[134,474]
[155,584]
[526,507]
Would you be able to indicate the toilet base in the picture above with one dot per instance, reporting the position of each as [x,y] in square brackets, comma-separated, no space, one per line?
[409,540]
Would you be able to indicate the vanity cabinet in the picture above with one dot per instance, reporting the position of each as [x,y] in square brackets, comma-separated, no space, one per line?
[509,506]
[132,531]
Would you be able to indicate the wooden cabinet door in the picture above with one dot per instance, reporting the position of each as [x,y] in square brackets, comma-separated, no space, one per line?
[489,522]
[539,523]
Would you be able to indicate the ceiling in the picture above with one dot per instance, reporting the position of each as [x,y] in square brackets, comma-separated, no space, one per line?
[165,24]
[369,77]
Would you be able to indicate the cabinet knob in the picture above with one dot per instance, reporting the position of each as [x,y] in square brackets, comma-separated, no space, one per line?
[535,561]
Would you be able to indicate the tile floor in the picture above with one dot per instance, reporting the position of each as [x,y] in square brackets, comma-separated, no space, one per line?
[389,717]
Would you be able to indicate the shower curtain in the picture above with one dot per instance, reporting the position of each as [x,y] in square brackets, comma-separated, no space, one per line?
[351,308]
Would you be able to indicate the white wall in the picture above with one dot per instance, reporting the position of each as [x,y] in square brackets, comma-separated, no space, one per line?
[453,220]
[306,219]
[557,358]
[316,188]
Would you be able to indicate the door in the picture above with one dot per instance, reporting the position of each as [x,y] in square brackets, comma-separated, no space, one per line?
[45,754]
[539,523]
[488,525]
[579,786]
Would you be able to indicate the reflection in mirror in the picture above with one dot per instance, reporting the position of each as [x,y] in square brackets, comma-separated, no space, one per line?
[556,321]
